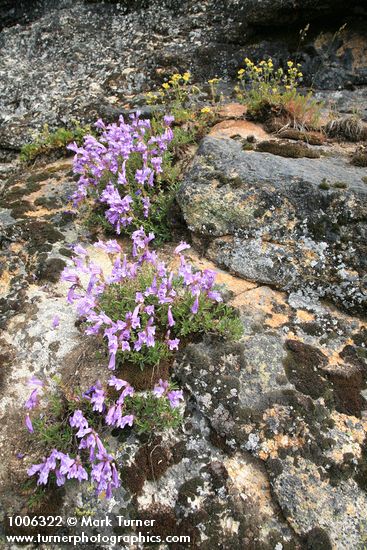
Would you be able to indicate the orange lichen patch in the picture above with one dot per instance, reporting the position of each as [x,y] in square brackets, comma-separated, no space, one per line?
[277,320]
[356,428]
[263,298]
[40,212]
[333,355]
[304,316]
[357,46]
[232,110]
[242,128]
[352,435]
[252,481]
[16,247]
[5,282]
[271,447]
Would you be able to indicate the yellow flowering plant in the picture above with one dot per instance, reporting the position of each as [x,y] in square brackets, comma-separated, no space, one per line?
[262,84]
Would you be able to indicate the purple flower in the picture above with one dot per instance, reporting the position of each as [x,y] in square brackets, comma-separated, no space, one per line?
[32,400]
[128,419]
[73,468]
[117,383]
[111,247]
[44,468]
[97,399]
[34,381]
[168,119]
[173,344]
[28,423]
[157,164]
[55,321]
[195,306]
[171,320]
[92,442]
[146,206]
[79,250]
[215,295]
[160,388]
[182,246]
[174,397]
[78,420]
[104,474]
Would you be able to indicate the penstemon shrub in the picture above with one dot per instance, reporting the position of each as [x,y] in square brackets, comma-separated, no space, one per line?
[142,308]
[71,428]
[121,172]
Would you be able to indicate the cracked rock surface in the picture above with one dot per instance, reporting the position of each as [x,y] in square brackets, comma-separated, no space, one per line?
[293,223]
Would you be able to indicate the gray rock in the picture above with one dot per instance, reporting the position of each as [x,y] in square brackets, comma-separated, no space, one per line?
[291,223]
[310,503]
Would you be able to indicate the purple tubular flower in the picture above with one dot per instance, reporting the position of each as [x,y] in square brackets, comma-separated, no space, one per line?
[55,321]
[34,381]
[126,420]
[160,388]
[117,383]
[32,400]
[215,295]
[146,206]
[168,119]
[44,468]
[171,320]
[78,420]
[195,306]
[111,246]
[97,399]
[174,397]
[92,442]
[72,468]
[104,474]
[173,344]
[182,246]
[79,250]
[28,423]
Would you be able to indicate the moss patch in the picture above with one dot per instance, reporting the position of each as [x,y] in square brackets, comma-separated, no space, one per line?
[313,138]
[359,157]
[286,149]
[301,366]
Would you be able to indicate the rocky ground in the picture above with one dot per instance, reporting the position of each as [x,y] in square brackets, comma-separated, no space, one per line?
[272,449]
[272,452]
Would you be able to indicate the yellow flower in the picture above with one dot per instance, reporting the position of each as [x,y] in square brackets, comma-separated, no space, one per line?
[248,62]
[287,87]
[206,110]
[270,64]
[241,72]
[186,77]
[175,78]
[166,86]
[290,64]
[300,75]
[262,62]
[274,90]
[214,80]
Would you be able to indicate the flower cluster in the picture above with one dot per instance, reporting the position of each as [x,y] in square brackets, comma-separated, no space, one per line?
[92,460]
[134,306]
[262,81]
[119,168]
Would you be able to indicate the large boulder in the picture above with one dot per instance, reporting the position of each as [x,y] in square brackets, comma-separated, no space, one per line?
[290,223]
